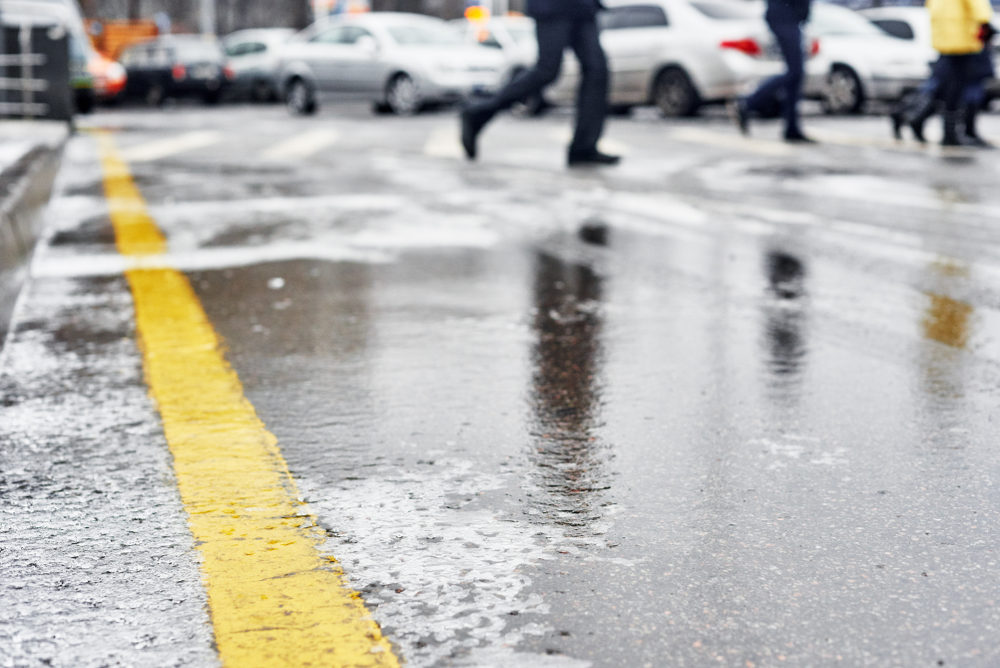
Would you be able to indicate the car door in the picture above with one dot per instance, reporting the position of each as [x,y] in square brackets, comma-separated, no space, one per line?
[633,37]
[326,55]
[360,60]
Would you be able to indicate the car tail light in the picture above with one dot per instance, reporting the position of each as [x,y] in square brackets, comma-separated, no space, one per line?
[814,48]
[228,72]
[748,46]
[178,72]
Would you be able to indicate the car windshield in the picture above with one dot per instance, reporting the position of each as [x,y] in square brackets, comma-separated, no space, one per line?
[827,20]
[728,10]
[422,34]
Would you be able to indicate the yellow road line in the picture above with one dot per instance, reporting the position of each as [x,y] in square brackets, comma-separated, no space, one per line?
[275,599]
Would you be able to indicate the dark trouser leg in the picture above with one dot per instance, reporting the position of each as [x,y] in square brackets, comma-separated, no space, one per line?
[958,70]
[553,38]
[592,95]
[789,38]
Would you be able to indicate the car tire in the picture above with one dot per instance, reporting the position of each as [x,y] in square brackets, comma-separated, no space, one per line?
[843,93]
[402,95]
[299,97]
[674,94]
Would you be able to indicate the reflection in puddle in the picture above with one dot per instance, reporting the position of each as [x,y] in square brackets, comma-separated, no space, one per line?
[945,320]
[784,319]
[569,460]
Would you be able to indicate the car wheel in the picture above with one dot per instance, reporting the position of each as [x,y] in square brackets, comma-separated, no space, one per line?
[674,94]
[299,98]
[403,96]
[843,93]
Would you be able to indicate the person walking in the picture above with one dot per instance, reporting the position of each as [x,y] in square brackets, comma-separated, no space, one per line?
[960,30]
[559,24]
[785,19]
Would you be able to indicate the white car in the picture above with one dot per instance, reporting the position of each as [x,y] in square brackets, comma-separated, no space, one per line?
[914,24]
[512,36]
[857,62]
[253,56]
[399,61]
[679,54]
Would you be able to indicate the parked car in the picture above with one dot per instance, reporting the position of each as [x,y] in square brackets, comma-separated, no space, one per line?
[175,66]
[399,61]
[858,62]
[254,58]
[679,54]
[109,77]
[914,24]
[57,12]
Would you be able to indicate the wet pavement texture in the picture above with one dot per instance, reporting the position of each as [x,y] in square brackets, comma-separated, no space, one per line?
[729,404]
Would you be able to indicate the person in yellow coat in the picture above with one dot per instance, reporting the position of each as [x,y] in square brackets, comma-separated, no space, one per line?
[959,31]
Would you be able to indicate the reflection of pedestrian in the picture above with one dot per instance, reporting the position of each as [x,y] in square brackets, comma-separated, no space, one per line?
[959,31]
[558,24]
[785,19]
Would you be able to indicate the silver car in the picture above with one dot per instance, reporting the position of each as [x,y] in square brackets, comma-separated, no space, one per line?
[399,61]
[254,57]
[680,54]
[857,62]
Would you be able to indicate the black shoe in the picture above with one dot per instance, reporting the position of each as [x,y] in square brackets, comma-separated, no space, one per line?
[592,157]
[896,118]
[798,138]
[472,124]
[740,115]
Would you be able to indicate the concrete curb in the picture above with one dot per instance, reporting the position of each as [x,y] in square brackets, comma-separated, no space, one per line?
[27,172]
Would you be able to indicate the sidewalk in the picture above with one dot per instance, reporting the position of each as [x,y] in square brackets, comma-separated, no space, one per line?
[29,158]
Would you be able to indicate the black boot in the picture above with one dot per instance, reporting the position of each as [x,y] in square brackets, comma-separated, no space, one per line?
[951,137]
[473,118]
[972,137]
[922,108]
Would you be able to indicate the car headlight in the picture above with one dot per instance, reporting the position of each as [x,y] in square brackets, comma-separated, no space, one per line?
[115,73]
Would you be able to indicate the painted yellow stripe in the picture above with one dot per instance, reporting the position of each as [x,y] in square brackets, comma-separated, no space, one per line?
[275,599]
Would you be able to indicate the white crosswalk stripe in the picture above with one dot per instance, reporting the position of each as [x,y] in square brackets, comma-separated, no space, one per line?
[302,145]
[164,148]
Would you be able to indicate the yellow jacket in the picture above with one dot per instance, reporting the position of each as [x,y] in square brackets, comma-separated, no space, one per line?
[955,24]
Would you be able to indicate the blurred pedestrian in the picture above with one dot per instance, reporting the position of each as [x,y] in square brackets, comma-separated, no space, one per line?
[785,19]
[960,30]
[916,108]
[558,24]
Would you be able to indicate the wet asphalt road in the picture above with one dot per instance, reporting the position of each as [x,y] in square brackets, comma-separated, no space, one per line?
[730,403]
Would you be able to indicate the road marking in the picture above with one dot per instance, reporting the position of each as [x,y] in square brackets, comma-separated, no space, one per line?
[274,598]
[444,142]
[164,148]
[302,145]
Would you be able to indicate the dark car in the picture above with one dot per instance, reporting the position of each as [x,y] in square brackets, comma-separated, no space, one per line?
[175,66]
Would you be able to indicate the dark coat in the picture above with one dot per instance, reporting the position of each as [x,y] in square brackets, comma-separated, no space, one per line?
[562,9]
[787,11]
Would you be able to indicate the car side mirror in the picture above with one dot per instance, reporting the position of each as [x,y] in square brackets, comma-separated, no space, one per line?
[367,44]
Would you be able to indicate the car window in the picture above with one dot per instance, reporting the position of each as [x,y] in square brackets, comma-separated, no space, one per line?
[335,35]
[487,37]
[422,33]
[633,16]
[830,20]
[727,10]
[895,27]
